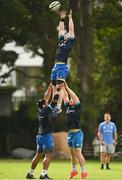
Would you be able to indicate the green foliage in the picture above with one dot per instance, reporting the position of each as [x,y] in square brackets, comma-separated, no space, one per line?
[110,15]
[108,68]
[9,56]
[28,24]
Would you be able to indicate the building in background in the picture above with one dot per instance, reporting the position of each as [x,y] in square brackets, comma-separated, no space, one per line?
[28,66]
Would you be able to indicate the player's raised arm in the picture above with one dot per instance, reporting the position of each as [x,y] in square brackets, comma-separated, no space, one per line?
[48,93]
[61,23]
[71,25]
[66,97]
[72,94]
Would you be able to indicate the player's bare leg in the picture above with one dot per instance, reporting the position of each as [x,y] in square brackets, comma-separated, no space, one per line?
[46,162]
[81,161]
[74,163]
[35,161]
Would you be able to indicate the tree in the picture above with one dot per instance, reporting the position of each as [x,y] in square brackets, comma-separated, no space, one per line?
[108,25]
[29,24]
[84,45]
[96,69]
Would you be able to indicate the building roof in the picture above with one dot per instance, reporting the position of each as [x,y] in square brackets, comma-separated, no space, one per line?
[25,57]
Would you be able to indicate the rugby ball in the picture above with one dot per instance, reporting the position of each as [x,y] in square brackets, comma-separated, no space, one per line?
[54,6]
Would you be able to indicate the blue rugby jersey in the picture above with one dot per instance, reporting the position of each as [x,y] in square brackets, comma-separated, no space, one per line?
[107,131]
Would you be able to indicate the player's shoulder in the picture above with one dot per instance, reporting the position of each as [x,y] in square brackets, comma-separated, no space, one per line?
[50,108]
[78,104]
[66,104]
[102,123]
[71,38]
[112,123]
[61,36]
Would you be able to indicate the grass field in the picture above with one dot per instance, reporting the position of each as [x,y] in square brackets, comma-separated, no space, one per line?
[59,170]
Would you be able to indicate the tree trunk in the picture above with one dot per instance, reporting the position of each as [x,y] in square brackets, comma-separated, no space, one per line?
[84,42]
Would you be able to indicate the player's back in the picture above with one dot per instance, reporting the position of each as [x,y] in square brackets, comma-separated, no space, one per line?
[45,120]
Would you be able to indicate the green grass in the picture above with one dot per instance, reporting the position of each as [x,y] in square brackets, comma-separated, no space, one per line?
[59,169]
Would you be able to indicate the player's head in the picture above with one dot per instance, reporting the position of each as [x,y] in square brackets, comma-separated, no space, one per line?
[67,36]
[55,100]
[64,37]
[107,117]
[41,103]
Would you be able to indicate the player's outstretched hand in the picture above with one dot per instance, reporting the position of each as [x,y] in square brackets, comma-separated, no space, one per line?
[63,14]
[70,14]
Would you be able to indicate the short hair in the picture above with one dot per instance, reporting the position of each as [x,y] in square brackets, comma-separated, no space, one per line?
[40,103]
[55,100]
[107,113]
[56,97]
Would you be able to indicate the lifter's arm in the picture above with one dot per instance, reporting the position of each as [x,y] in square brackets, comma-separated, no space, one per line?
[48,93]
[72,94]
[66,97]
